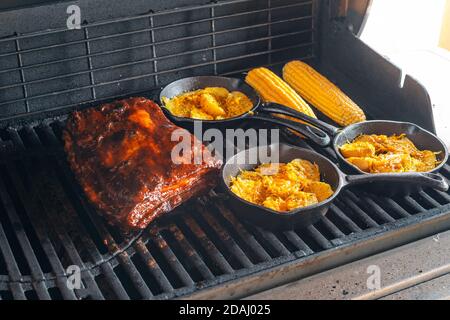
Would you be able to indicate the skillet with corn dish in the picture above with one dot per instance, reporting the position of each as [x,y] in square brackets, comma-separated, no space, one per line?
[383,154]
[213,103]
[282,187]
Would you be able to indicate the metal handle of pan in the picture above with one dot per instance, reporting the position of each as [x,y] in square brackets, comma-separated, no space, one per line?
[280,109]
[426,180]
[316,135]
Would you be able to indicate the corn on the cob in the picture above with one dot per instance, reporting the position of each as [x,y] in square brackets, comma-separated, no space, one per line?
[322,94]
[272,88]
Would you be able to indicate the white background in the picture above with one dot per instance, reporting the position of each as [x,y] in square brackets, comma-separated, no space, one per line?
[408,32]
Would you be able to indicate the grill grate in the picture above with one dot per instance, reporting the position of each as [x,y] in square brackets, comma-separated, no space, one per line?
[47,225]
[59,69]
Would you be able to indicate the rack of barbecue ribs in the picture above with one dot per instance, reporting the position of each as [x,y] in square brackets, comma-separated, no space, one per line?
[121,155]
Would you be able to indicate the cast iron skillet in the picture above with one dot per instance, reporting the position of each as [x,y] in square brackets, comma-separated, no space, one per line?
[301,217]
[259,111]
[422,138]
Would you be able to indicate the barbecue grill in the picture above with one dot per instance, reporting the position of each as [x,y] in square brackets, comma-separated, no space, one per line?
[204,251]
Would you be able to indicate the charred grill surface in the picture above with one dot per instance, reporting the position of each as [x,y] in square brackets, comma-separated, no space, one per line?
[121,154]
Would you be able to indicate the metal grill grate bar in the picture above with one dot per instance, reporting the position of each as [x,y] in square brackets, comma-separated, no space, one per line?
[371,206]
[145,30]
[208,246]
[337,233]
[344,219]
[46,171]
[444,195]
[89,56]
[271,241]
[414,204]
[42,232]
[153,266]
[172,25]
[240,230]
[173,260]
[24,242]
[395,207]
[143,76]
[134,275]
[191,253]
[274,65]
[22,75]
[298,242]
[113,282]
[17,291]
[13,269]
[57,225]
[230,246]
[430,201]
[317,236]
[234,40]
[365,218]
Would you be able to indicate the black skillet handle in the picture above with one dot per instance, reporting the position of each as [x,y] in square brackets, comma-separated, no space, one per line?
[316,135]
[426,180]
[280,109]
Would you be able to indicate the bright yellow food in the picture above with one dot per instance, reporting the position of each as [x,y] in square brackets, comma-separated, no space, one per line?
[383,154]
[322,93]
[282,187]
[211,103]
[272,88]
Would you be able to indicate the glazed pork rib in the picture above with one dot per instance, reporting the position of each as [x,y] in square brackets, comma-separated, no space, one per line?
[121,156]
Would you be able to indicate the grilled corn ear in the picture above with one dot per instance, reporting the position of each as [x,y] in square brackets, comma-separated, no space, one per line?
[322,94]
[272,88]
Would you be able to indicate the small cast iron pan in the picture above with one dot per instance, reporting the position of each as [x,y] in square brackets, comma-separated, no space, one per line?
[306,216]
[422,138]
[260,111]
